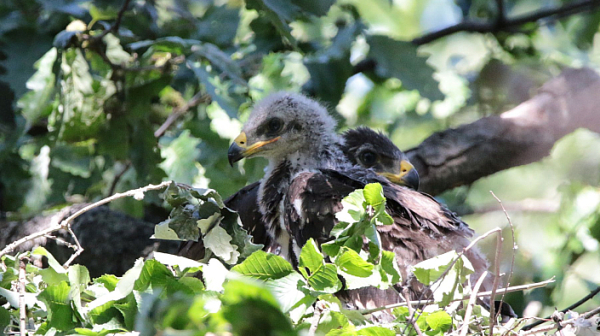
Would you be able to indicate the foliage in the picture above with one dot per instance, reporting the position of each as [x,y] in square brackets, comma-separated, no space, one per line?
[80,104]
[258,293]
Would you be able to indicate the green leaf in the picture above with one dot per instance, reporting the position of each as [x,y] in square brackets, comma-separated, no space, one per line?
[251,309]
[174,260]
[224,101]
[325,279]
[287,290]
[310,257]
[4,318]
[108,280]
[375,331]
[412,70]
[60,314]
[353,210]
[181,225]
[241,238]
[79,278]
[390,266]
[180,158]
[279,12]
[219,242]
[56,273]
[123,287]
[430,271]
[214,275]
[129,309]
[98,14]
[153,273]
[439,320]
[221,60]
[373,193]
[315,7]
[264,266]
[352,263]
[34,104]
[332,320]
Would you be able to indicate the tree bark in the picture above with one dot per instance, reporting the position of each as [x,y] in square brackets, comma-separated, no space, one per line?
[520,136]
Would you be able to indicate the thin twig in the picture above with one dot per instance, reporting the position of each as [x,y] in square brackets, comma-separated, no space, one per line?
[115,27]
[563,323]
[514,247]
[117,178]
[499,240]
[22,306]
[481,294]
[61,241]
[411,313]
[196,100]
[64,224]
[571,307]
[315,322]
[471,304]
[506,24]
[78,250]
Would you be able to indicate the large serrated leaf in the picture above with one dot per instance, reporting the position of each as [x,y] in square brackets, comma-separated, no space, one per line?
[58,302]
[287,290]
[325,279]
[310,258]
[123,287]
[263,265]
[352,263]
[219,242]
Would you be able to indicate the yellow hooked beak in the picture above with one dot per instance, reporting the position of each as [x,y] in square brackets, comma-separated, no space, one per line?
[239,149]
[408,176]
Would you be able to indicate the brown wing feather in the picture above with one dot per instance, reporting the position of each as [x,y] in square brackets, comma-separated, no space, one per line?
[423,228]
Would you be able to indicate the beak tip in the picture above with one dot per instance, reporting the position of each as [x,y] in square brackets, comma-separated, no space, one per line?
[234,154]
[412,179]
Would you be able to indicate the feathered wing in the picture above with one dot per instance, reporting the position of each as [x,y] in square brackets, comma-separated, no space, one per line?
[423,228]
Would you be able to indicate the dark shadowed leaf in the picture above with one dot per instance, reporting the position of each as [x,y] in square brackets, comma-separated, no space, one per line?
[399,59]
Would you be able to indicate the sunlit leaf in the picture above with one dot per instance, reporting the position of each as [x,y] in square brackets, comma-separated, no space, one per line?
[263,265]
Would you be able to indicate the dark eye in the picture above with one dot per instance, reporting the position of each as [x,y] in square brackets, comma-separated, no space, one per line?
[274,125]
[368,158]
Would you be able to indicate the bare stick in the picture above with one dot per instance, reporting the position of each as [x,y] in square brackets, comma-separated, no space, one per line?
[78,250]
[514,247]
[196,100]
[315,323]
[471,304]
[411,313]
[562,324]
[571,307]
[113,185]
[115,27]
[64,224]
[482,294]
[495,282]
[22,307]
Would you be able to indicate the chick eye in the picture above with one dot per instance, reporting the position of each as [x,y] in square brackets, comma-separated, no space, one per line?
[368,158]
[274,125]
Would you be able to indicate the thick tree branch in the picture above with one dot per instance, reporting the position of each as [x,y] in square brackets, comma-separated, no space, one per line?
[523,135]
